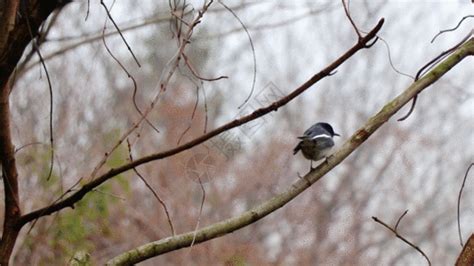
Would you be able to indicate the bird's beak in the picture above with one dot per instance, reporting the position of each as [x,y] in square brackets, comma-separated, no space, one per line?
[335,134]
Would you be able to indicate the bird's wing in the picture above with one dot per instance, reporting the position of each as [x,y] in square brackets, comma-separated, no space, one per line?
[323,142]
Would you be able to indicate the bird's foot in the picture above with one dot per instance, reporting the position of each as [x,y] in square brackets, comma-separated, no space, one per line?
[303,177]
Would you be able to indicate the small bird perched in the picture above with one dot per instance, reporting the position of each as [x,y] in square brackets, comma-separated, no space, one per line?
[316,142]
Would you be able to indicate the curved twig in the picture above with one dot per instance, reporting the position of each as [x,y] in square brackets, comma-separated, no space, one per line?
[155,194]
[412,107]
[394,231]
[203,199]
[196,74]
[428,66]
[452,29]
[254,56]
[27,145]
[130,76]
[50,89]
[391,61]
[400,219]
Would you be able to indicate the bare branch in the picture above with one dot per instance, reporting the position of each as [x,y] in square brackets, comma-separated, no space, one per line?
[394,231]
[157,197]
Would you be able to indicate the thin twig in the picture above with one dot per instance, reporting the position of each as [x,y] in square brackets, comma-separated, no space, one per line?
[108,194]
[200,213]
[412,107]
[205,107]
[130,76]
[254,56]
[88,9]
[346,10]
[42,35]
[263,26]
[194,72]
[428,66]
[459,203]
[93,38]
[391,61]
[50,88]
[402,238]
[70,189]
[400,219]
[28,144]
[157,197]
[120,32]
[180,18]
[453,29]
[192,116]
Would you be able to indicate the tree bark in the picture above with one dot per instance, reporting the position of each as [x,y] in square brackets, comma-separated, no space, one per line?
[10,180]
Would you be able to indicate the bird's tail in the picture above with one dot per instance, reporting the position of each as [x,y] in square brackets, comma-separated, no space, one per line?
[297,148]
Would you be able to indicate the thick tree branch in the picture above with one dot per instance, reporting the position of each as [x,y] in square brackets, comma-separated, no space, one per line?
[221,228]
[78,195]
[9,178]
[15,33]
[466,258]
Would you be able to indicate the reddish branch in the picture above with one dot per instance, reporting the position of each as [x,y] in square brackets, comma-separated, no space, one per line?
[78,195]
[10,180]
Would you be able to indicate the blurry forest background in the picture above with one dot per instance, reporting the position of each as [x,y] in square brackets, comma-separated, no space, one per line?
[417,164]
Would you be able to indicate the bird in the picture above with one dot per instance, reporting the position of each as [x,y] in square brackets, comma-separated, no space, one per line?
[316,142]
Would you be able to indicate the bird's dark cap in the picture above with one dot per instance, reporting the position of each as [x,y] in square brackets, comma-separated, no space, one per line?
[328,128]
